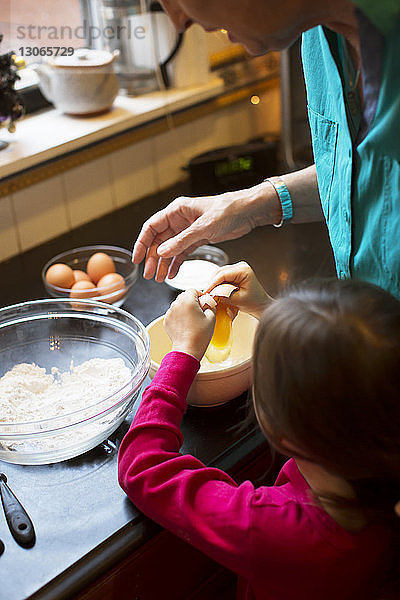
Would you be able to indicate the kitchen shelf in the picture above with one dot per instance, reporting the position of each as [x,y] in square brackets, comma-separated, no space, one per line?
[51,142]
[50,133]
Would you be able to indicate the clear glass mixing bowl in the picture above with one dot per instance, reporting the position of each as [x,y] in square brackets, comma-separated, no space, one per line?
[52,333]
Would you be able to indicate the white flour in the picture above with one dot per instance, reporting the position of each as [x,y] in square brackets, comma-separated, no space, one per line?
[28,393]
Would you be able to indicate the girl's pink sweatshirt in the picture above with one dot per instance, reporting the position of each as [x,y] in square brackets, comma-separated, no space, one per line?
[277,539]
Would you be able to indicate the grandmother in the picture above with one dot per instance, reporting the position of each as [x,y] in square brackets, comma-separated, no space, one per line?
[351,62]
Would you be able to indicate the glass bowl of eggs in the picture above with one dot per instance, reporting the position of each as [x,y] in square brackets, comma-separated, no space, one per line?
[104,273]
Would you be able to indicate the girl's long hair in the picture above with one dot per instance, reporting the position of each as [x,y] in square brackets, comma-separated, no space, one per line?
[327,379]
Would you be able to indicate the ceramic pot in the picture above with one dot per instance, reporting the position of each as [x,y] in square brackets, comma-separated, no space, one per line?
[81,84]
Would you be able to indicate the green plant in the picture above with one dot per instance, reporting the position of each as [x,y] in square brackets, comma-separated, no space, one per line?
[11,107]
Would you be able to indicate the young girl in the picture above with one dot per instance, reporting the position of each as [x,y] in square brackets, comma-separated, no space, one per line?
[326,393]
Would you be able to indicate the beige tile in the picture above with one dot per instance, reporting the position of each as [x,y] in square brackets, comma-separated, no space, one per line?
[243,125]
[175,148]
[133,172]
[267,114]
[215,131]
[40,212]
[8,232]
[238,123]
[172,150]
[88,191]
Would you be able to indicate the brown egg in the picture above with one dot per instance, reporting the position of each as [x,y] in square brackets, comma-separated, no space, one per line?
[109,284]
[80,276]
[83,289]
[99,264]
[60,275]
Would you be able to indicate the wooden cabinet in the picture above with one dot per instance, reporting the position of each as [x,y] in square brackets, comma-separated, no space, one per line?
[165,567]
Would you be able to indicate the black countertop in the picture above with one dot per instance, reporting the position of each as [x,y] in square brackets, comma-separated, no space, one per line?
[84,522]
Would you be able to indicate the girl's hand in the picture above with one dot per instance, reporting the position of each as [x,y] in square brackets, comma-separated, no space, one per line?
[188,325]
[251,297]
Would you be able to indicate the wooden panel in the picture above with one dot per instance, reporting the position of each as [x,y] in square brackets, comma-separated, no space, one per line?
[220,586]
[166,567]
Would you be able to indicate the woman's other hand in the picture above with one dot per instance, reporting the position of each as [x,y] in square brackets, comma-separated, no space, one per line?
[171,234]
[189,323]
[251,297]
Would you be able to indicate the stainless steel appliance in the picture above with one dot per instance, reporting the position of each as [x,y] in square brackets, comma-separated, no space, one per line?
[143,35]
[295,130]
[233,167]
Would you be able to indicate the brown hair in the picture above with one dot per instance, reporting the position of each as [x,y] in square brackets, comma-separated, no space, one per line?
[327,379]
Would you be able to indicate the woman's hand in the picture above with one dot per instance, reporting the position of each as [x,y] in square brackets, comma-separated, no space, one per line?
[174,232]
[251,297]
[189,323]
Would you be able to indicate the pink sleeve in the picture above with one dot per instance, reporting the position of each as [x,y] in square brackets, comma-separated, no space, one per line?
[203,505]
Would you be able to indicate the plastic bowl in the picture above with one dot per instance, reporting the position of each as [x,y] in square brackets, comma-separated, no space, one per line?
[198,277]
[215,383]
[52,333]
[78,259]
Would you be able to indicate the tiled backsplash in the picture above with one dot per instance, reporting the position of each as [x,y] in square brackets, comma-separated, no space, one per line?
[47,209]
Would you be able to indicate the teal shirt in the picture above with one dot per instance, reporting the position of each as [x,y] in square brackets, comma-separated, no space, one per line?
[383,13]
[359,181]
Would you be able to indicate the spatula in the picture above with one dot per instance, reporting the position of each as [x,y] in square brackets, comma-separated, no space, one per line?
[20,525]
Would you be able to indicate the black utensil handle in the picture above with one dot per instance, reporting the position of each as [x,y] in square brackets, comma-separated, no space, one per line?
[18,520]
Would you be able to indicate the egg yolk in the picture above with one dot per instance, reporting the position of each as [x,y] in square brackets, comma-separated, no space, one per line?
[221,342]
[223,327]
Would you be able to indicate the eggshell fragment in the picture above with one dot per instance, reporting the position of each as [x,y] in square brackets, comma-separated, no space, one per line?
[60,275]
[111,283]
[83,289]
[207,301]
[224,290]
[99,264]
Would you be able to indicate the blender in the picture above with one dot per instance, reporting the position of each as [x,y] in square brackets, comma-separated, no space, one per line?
[145,38]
